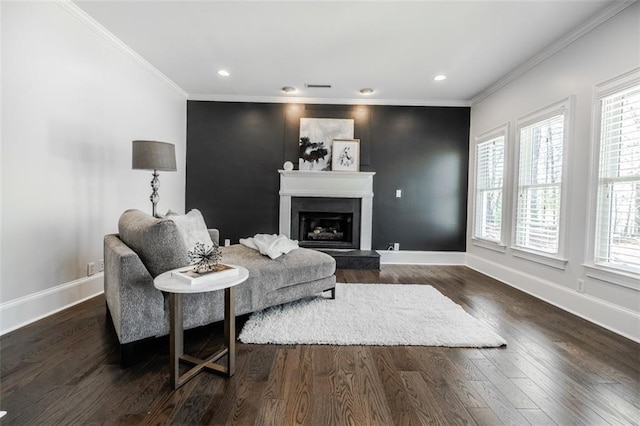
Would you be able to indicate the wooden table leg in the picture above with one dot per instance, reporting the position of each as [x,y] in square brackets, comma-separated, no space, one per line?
[176,337]
[176,334]
[230,328]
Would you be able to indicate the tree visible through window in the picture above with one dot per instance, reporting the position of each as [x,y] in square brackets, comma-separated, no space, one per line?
[489,182]
[618,210]
[539,185]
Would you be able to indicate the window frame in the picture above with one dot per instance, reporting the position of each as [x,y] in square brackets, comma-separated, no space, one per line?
[498,132]
[555,260]
[602,271]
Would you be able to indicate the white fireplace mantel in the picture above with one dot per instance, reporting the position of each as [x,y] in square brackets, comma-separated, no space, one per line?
[301,183]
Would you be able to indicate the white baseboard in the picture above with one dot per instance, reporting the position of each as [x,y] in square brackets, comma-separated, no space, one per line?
[615,318]
[406,257]
[25,310]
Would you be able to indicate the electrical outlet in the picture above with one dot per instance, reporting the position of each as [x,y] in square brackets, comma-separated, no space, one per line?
[398,193]
[91,268]
[580,286]
[100,265]
[227,242]
[396,246]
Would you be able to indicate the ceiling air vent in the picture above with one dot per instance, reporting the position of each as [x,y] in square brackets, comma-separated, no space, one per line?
[317,86]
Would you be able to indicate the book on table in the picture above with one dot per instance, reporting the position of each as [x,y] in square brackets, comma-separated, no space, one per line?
[189,276]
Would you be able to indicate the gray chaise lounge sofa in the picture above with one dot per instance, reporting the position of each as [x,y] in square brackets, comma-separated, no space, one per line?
[146,246]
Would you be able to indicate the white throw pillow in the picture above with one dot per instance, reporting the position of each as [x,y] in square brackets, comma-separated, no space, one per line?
[192,228]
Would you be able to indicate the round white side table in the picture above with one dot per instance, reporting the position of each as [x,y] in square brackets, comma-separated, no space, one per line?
[176,288]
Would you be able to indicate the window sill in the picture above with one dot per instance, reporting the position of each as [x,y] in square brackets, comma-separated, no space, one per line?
[491,245]
[611,276]
[543,259]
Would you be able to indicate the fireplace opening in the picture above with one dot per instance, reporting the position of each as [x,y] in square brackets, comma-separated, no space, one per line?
[321,227]
[331,223]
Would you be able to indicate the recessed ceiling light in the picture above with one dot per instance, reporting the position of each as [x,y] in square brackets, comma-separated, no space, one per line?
[224,73]
[366,91]
[440,77]
[288,89]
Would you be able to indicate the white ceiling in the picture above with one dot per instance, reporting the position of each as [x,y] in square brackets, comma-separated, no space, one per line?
[394,47]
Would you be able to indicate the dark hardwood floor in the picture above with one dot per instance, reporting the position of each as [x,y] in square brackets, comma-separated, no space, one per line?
[556,369]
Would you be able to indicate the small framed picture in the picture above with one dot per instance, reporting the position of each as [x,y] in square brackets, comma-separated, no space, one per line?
[346,155]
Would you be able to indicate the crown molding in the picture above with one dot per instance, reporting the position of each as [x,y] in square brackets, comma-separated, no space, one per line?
[332,101]
[603,16]
[92,24]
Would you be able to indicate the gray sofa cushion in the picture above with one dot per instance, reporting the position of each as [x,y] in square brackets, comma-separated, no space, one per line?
[298,266]
[157,242]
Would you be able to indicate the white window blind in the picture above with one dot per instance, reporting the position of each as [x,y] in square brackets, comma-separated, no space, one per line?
[489,182]
[539,185]
[617,242]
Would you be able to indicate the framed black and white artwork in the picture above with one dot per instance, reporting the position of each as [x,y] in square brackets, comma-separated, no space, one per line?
[316,139]
[346,155]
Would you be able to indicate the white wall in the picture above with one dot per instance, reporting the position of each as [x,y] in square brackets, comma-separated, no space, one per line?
[73,99]
[609,50]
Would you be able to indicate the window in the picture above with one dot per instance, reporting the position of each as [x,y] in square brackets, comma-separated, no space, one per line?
[539,185]
[617,234]
[489,189]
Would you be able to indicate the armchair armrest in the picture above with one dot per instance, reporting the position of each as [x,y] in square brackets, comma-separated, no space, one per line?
[135,305]
[215,235]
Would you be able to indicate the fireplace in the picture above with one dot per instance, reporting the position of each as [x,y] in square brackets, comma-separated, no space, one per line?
[327,191]
[330,223]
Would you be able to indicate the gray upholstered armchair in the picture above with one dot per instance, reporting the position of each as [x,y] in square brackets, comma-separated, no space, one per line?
[146,247]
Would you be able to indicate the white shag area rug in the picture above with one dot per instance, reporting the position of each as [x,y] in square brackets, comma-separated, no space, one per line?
[371,314]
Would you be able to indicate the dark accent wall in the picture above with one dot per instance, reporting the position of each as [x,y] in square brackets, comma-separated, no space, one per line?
[235,149]
[233,153]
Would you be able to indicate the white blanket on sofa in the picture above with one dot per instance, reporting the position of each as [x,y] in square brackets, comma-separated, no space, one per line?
[270,245]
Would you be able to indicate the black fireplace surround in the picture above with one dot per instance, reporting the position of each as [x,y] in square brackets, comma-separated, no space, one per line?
[329,223]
